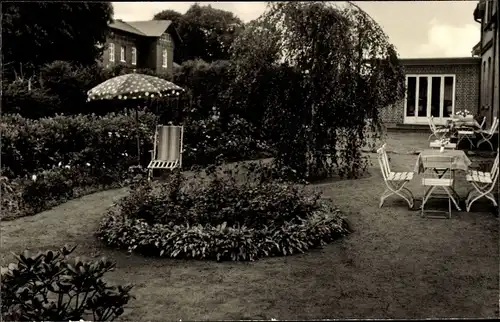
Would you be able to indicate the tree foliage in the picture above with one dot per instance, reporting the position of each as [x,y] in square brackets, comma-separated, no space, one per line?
[36,33]
[207,33]
[171,15]
[333,69]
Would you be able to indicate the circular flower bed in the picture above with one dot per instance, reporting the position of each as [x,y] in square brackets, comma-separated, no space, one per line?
[221,217]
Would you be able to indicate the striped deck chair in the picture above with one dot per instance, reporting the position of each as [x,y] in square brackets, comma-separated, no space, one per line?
[167,149]
[394,181]
[483,184]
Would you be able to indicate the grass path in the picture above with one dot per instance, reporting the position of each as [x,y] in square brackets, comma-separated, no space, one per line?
[394,265]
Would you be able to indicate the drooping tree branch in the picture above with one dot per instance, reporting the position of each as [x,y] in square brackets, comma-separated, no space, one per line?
[341,70]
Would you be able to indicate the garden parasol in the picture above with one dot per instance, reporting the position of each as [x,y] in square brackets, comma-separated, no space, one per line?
[134,87]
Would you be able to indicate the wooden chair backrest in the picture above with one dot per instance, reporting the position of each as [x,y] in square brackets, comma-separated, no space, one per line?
[494,126]
[494,169]
[482,122]
[384,161]
[431,124]
[437,162]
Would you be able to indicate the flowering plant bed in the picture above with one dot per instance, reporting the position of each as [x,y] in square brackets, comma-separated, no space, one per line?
[220,218]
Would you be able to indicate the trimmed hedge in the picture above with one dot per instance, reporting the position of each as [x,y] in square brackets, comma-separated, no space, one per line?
[25,197]
[220,216]
[30,146]
[99,151]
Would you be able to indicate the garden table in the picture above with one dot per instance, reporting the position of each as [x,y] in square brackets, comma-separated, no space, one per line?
[460,162]
[465,122]
[466,128]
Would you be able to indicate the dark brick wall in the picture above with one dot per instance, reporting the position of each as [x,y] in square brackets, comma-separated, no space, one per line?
[149,51]
[165,42]
[120,39]
[148,58]
[490,93]
[467,78]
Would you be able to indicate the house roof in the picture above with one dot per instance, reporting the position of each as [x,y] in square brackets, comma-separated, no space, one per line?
[124,26]
[440,61]
[149,28]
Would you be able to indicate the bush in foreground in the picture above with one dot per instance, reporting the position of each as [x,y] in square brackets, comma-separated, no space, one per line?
[222,215]
[51,287]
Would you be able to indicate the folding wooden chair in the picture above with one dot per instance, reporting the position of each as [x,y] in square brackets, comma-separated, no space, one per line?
[167,149]
[394,181]
[438,133]
[483,184]
[482,123]
[438,174]
[469,134]
[487,135]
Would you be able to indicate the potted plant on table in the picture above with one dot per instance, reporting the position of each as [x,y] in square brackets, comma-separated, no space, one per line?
[464,114]
[448,135]
[444,141]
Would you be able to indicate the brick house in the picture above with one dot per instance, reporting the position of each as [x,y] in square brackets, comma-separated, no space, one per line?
[142,44]
[486,13]
[435,87]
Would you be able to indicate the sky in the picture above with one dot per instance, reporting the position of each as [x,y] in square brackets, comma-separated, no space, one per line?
[418,29]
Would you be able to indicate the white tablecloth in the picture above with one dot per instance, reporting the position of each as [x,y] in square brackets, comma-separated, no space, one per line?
[460,159]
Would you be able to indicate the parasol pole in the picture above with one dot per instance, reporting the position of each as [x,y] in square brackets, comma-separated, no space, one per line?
[157,114]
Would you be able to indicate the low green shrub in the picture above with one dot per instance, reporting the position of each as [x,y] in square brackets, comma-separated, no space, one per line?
[10,197]
[220,214]
[98,150]
[206,84]
[30,101]
[210,140]
[52,287]
[30,146]
[43,190]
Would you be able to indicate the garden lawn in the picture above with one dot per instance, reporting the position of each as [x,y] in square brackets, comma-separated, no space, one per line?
[394,265]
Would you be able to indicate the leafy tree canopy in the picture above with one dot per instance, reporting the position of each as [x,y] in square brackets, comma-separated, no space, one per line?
[207,33]
[171,15]
[36,33]
[333,69]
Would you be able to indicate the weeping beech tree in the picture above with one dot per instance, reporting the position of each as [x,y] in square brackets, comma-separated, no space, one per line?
[319,73]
